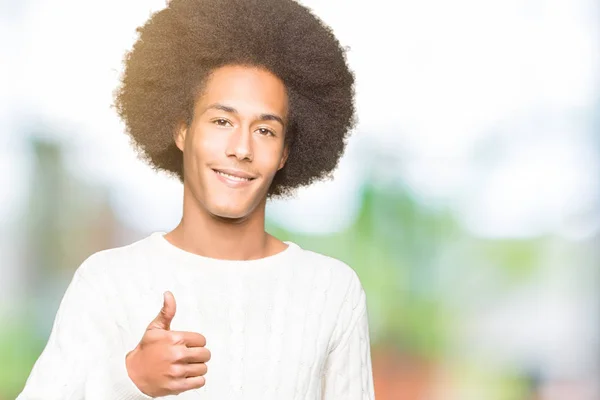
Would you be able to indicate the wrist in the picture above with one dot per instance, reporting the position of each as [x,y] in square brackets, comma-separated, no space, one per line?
[130,366]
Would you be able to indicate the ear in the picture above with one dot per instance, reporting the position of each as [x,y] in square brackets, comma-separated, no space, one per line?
[284,158]
[179,135]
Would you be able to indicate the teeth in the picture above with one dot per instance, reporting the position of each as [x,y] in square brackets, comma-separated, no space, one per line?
[233,178]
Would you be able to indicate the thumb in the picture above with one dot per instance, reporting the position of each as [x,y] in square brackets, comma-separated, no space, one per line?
[166,314]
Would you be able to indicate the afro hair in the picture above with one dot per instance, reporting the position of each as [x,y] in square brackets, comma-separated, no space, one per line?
[179,46]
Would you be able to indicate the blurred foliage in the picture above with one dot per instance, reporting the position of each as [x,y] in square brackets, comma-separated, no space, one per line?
[20,346]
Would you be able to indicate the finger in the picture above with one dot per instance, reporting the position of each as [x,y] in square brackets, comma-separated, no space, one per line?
[195,355]
[190,339]
[194,382]
[192,370]
[166,314]
[184,384]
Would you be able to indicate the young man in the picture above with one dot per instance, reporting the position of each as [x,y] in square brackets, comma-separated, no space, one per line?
[243,100]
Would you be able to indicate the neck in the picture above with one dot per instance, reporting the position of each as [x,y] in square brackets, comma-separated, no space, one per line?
[212,236]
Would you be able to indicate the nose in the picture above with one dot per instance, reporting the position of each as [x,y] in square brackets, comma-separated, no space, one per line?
[240,144]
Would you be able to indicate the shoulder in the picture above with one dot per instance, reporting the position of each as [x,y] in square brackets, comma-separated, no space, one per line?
[346,301]
[341,275]
[109,261]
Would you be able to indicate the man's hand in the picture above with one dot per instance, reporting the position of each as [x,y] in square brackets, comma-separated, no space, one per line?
[168,362]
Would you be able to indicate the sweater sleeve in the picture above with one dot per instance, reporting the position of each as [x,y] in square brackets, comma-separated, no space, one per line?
[348,371]
[81,359]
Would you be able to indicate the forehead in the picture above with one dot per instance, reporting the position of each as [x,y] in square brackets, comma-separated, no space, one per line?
[248,89]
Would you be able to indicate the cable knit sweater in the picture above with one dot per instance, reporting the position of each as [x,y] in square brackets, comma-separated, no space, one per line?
[293,325]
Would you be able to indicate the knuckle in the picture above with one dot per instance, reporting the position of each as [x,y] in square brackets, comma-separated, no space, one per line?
[175,371]
[175,387]
[178,354]
[176,337]
[150,336]
[207,355]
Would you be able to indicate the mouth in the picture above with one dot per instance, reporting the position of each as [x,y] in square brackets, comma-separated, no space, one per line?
[233,180]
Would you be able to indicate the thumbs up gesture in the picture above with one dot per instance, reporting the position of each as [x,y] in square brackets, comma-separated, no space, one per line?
[168,362]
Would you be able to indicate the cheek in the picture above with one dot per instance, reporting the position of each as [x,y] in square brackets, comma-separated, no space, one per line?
[268,161]
[205,149]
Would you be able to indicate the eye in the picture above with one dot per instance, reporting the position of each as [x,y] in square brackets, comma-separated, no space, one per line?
[221,122]
[266,131]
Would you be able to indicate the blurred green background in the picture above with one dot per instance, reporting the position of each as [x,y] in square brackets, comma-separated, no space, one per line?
[468,200]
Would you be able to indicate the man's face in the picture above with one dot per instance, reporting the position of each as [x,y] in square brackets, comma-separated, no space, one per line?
[238,128]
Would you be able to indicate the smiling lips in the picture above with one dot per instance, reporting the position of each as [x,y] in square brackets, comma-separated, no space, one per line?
[234,178]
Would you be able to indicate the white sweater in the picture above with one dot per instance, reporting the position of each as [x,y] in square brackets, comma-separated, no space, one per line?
[293,325]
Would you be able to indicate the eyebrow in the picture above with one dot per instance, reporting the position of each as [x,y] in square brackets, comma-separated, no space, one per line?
[261,117]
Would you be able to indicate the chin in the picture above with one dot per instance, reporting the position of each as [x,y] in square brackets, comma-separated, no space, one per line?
[229,212]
